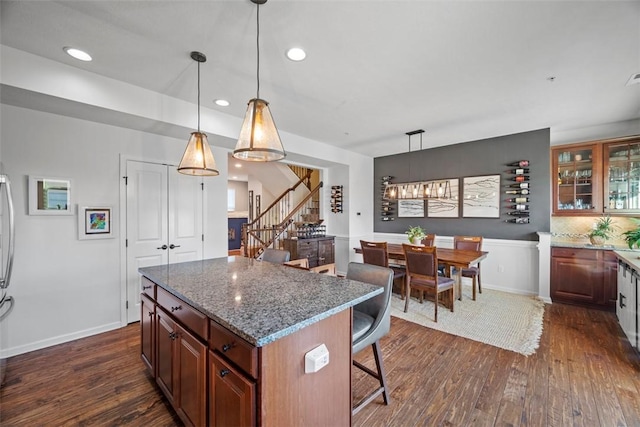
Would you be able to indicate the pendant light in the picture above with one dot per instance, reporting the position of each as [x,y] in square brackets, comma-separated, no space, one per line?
[259,140]
[197,158]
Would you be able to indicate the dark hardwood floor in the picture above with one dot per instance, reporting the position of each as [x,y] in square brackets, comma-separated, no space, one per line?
[585,373]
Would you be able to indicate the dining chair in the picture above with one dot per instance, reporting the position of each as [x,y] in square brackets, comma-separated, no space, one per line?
[375,253]
[328,269]
[422,274]
[300,263]
[428,240]
[372,321]
[470,243]
[276,256]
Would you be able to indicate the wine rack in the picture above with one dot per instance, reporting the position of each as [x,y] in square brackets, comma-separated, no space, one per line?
[336,198]
[387,209]
[518,192]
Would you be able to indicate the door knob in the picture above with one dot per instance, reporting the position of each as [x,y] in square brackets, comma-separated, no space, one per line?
[172,246]
[163,247]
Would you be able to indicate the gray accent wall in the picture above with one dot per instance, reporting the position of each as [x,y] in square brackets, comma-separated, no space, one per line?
[476,158]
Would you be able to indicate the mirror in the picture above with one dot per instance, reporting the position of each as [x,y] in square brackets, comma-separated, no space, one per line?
[49,196]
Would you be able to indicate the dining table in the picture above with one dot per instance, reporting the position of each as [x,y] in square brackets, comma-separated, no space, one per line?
[450,258]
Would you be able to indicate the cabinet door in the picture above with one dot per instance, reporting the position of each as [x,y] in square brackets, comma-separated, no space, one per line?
[622,176]
[326,252]
[574,280]
[165,360]
[610,278]
[231,395]
[191,378]
[147,333]
[577,180]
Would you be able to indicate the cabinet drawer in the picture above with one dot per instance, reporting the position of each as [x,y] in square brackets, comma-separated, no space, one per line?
[148,287]
[234,348]
[575,253]
[307,249]
[182,311]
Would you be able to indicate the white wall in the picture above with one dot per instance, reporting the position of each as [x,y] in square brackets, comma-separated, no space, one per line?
[64,287]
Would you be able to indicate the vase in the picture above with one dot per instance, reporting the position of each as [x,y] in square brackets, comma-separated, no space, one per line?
[416,240]
[596,240]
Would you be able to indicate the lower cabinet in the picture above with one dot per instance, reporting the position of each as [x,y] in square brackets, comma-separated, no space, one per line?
[584,277]
[231,395]
[181,369]
[147,333]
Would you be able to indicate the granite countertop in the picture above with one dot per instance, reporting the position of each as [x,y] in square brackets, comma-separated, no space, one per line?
[259,301]
[630,257]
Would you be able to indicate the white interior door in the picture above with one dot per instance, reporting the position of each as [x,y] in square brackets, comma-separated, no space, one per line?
[164,222]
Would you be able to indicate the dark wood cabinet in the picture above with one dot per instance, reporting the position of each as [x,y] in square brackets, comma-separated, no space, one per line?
[584,277]
[165,351]
[147,333]
[318,250]
[231,395]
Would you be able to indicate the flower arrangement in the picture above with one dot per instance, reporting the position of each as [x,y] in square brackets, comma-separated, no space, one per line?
[632,237]
[602,231]
[415,234]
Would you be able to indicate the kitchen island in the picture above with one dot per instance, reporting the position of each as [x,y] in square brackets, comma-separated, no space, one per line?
[226,339]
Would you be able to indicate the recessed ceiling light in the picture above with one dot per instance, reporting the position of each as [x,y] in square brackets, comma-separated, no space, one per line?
[77,53]
[222,102]
[234,177]
[238,165]
[296,54]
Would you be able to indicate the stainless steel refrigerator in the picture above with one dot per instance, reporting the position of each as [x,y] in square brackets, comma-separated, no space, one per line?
[7,244]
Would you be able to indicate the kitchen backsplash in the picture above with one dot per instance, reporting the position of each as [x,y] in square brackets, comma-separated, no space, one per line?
[576,229]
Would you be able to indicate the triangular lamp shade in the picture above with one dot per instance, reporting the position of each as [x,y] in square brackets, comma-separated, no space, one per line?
[197,158]
[259,140]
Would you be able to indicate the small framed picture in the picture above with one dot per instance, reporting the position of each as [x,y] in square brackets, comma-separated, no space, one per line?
[411,208]
[94,223]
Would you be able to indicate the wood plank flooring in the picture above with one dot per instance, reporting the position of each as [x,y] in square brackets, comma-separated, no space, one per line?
[584,373]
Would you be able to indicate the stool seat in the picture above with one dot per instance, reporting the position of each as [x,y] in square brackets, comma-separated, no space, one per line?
[362,322]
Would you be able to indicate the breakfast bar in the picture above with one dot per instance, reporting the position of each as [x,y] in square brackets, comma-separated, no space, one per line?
[226,340]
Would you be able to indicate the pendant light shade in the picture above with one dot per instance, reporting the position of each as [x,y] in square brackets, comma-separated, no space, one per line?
[259,140]
[197,158]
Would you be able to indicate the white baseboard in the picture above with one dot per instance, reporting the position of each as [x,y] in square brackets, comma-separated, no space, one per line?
[14,351]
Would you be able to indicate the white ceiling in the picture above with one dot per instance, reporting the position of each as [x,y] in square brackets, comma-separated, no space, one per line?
[374,69]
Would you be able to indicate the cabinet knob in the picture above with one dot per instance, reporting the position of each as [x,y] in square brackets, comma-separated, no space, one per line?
[227,347]
[224,372]
[146,287]
[173,336]
[176,308]
[150,313]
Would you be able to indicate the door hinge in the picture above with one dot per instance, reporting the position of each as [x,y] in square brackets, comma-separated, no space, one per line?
[126,180]
[202,186]
[126,243]
[127,304]
[203,237]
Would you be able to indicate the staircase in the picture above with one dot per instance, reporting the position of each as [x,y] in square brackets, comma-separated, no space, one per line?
[276,221]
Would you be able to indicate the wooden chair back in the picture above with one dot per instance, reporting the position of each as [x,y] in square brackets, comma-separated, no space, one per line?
[328,269]
[301,263]
[469,243]
[429,240]
[375,253]
[421,261]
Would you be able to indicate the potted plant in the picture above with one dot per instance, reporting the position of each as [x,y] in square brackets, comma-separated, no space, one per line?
[602,230]
[632,237]
[415,234]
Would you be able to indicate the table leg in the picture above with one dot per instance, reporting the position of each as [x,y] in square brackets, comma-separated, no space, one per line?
[459,282]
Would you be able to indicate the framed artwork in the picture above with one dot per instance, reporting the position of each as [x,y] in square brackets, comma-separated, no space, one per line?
[49,196]
[446,208]
[411,208]
[481,196]
[94,223]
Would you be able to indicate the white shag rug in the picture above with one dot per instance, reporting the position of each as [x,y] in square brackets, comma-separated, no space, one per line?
[509,321]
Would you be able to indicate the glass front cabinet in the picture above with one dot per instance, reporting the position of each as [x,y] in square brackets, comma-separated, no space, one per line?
[597,177]
[622,188]
[577,188]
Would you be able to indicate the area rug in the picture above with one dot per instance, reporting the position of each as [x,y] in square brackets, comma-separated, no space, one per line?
[509,321]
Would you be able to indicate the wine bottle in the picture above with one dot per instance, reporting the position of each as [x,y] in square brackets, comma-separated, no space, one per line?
[520,178]
[519,207]
[386,213]
[387,218]
[387,178]
[387,208]
[523,220]
[523,191]
[520,163]
[520,171]
[519,213]
[518,200]
[520,185]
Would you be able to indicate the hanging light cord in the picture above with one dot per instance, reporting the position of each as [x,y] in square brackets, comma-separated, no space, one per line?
[198,97]
[258,51]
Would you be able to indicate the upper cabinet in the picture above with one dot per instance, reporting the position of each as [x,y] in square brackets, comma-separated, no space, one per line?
[578,178]
[622,188]
[596,178]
